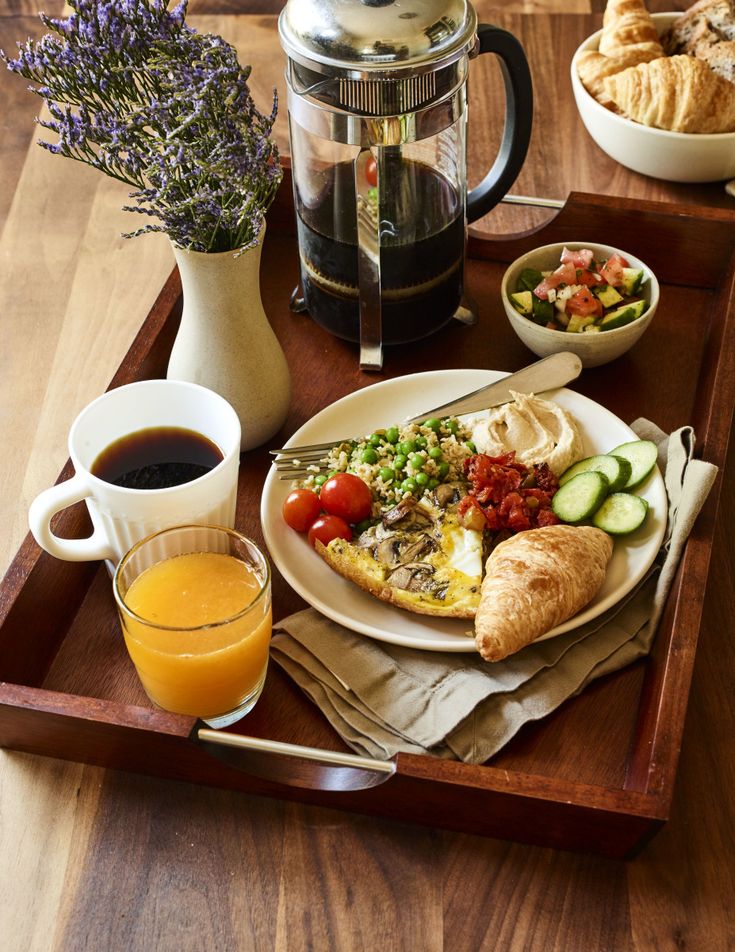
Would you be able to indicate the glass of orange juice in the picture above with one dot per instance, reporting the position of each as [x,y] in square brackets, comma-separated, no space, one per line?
[195,608]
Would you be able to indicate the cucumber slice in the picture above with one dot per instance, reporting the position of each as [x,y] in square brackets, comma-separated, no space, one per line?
[607,295]
[642,455]
[621,513]
[577,323]
[616,468]
[625,314]
[580,497]
[522,301]
[632,280]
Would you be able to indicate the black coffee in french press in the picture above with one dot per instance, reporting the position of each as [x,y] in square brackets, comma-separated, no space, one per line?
[377,101]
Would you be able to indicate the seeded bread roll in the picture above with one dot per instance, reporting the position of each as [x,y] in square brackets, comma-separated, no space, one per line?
[703,24]
[720,57]
[536,580]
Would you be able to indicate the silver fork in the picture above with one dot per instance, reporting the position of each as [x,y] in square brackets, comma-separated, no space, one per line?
[296,462]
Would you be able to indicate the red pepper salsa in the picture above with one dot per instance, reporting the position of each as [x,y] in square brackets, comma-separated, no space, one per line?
[507,494]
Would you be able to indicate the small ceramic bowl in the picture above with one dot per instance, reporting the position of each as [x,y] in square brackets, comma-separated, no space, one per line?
[592,349]
[672,156]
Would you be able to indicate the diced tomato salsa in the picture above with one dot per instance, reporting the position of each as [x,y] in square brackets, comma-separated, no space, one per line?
[509,495]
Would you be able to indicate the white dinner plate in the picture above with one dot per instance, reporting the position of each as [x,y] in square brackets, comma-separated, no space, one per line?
[390,402]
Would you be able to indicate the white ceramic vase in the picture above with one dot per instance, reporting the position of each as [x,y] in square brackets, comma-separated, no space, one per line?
[226,343]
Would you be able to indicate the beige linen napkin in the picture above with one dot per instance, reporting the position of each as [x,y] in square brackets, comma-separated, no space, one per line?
[383,698]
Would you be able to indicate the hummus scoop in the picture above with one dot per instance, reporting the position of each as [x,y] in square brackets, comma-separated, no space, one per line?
[539,431]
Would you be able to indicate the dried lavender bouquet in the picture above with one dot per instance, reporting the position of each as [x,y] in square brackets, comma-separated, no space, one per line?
[135,92]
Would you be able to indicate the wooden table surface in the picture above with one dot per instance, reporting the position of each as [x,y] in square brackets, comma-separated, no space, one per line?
[98,859]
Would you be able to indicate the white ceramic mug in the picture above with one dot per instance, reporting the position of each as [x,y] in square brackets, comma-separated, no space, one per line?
[122,516]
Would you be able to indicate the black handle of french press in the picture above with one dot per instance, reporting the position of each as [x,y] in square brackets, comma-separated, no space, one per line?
[518,120]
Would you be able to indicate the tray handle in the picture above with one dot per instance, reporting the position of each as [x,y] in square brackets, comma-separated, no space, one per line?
[291,764]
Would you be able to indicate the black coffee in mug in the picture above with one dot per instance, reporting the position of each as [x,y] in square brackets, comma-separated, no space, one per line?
[157,458]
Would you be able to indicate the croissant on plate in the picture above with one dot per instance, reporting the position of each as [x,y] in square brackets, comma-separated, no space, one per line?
[536,580]
[677,93]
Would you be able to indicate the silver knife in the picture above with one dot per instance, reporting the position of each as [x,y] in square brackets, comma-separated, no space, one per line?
[546,374]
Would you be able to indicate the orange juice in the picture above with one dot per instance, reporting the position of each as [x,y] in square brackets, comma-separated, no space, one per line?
[198,631]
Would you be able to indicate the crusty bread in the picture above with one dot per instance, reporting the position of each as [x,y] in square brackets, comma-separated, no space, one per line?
[676,93]
[720,57]
[704,23]
[536,580]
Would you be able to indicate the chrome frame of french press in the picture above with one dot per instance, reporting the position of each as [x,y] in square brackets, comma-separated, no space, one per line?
[367,132]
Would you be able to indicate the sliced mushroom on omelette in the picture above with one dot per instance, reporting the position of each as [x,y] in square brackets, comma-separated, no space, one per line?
[417,557]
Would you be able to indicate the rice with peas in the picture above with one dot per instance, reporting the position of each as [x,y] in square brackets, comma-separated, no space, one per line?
[401,460]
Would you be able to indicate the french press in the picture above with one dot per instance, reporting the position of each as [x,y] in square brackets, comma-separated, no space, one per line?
[377,106]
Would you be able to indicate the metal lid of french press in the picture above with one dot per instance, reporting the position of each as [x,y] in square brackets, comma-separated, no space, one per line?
[386,44]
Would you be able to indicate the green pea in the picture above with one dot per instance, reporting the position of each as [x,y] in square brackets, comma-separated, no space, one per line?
[451,426]
[408,485]
[392,434]
[399,461]
[372,194]
[433,424]
[416,461]
[433,483]
[320,480]
[387,474]
[369,455]
[435,453]
[375,439]
[471,446]
[443,469]
[422,479]
[407,447]
[421,442]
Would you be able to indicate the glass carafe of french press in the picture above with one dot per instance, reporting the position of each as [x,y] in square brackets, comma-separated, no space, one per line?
[377,104]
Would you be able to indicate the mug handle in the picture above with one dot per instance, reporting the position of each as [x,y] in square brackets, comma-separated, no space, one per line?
[51,501]
[518,120]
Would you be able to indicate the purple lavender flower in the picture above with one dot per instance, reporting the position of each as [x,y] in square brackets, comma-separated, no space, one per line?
[134,91]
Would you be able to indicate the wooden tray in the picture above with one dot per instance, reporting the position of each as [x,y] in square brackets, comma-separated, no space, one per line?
[598,773]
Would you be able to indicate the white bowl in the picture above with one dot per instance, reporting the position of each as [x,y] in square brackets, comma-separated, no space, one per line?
[672,156]
[592,349]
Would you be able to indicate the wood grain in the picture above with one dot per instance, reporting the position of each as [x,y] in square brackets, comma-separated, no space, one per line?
[98,859]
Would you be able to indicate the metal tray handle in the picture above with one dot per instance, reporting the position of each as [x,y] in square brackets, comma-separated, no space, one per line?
[291,764]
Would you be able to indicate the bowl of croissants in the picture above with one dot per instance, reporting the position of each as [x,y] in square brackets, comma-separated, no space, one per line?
[657,91]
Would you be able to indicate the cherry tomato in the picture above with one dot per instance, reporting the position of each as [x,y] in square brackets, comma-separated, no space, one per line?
[327,527]
[300,508]
[371,171]
[347,496]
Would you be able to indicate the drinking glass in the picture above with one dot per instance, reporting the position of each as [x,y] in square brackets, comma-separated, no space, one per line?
[195,608]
